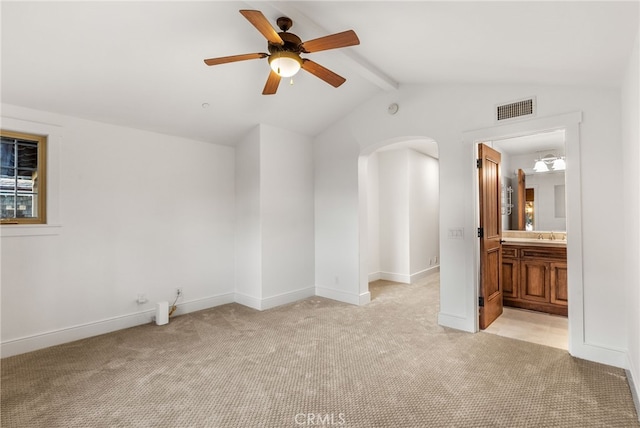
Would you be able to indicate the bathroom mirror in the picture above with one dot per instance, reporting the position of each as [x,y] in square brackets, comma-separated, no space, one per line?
[533,200]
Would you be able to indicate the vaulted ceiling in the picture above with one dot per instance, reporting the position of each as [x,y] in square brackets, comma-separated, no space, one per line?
[140,64]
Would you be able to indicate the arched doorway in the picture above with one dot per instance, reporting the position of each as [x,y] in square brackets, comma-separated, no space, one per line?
[398,185]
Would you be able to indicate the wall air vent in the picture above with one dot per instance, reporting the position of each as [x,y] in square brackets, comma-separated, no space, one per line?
[516,109]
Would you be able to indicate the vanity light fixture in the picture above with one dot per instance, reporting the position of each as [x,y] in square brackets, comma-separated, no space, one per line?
[540,166]
[557,163]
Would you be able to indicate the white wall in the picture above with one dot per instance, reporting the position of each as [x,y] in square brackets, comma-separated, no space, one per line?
[424,208]
[137,212]
[402,214]
[248,230]
[444,113]
[336,216]
[373,216]
[287,210]
[630,251]
[132,212]
[274,210]
[395,263]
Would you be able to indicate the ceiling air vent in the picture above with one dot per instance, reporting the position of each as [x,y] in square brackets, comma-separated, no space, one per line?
[522,108]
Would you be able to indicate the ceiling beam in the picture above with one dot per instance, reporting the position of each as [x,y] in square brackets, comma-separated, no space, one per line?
[363,67]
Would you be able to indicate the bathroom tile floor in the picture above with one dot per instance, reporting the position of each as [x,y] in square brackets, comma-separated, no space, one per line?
[531,326]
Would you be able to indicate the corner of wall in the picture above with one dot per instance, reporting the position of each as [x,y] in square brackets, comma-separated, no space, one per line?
[631,373]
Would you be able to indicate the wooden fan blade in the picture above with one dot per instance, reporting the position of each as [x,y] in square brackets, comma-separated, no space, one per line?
[323,73]
[333,41]
[234,58]
[271,86]
[258,20]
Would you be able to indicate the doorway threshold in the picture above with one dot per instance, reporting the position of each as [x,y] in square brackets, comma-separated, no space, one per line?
[531,326]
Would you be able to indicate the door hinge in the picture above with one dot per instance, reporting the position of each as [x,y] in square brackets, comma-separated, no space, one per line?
[478,163]
[481,301]
[480,232]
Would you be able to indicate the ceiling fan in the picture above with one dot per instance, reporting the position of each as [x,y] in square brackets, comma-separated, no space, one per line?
[285,49]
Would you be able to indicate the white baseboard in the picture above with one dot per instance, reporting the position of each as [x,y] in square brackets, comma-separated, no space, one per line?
[632,375]
[396,277]
[339,295]
[404,278]
[364,298]
[274,301]
[205,303]
[634,391]
[457,322]
[290,297]
[70,334]
[246,300]
[600,354]
[425,273]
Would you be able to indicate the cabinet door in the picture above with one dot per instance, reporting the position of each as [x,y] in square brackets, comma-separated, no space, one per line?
[534,281]
[510,276]
[558,283]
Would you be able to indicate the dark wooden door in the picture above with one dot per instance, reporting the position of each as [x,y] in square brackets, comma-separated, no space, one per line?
[490,235]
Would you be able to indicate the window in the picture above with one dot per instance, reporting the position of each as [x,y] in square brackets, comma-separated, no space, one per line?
[22,178]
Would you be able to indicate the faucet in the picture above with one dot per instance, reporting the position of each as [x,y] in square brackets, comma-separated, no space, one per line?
[552,236]
[539,235]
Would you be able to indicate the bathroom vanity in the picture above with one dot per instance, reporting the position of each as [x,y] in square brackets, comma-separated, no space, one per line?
[534,274]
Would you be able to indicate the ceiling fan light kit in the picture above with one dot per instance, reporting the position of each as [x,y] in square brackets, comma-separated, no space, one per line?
[285,64]
[285,49]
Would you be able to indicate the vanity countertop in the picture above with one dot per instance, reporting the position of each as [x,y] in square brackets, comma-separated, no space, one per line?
[535,242]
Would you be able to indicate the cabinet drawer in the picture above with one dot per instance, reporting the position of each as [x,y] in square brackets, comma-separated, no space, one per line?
[510,252]
[544,253]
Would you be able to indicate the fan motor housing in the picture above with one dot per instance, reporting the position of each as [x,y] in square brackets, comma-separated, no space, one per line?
[291,43]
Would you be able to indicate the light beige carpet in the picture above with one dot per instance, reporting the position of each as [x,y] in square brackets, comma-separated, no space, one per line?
[313,363]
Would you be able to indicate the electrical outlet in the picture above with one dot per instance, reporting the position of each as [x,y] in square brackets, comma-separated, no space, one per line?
[179,292]
[142,298]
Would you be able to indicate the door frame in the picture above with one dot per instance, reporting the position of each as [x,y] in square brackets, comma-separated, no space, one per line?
[570,123]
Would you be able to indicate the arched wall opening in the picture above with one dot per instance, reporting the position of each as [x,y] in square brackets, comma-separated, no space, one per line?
[399,211]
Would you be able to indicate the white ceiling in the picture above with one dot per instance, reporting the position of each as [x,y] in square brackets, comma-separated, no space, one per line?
[140,64]
[538,144]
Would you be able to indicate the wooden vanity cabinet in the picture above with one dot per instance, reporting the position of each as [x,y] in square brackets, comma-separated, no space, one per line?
[510,273]
[535,278]
[558,282]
